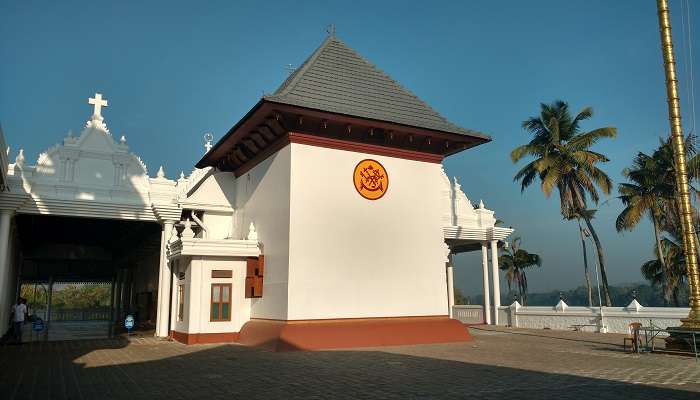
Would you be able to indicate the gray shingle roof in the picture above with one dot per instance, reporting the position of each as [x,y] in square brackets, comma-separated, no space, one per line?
[336,79]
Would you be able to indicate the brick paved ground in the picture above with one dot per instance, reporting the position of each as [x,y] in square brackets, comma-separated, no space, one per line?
[499,364]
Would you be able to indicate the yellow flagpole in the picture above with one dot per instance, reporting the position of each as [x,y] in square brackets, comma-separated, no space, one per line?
[678,143]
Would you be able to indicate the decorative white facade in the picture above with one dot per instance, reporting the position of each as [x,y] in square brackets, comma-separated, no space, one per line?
[91,175]
[309,224]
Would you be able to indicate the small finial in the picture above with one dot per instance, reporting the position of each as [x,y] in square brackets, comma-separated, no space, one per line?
[330,29]
[208,137]
[290,69]
[457,185]
[252,233]
[182,174]
[70,133]
[481,204]
[161,173]
[19,160]
[187,232]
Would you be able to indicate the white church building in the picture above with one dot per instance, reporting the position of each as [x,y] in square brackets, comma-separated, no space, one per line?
[322,219]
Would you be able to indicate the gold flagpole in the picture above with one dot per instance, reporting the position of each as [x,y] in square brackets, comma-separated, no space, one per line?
[678,143]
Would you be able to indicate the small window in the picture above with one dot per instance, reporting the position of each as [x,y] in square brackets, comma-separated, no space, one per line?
[221,302]
[181,303]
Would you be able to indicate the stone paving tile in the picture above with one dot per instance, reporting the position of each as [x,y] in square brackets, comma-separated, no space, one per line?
[499,364]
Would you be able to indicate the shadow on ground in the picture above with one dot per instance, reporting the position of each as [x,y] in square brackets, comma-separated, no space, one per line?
[117,368]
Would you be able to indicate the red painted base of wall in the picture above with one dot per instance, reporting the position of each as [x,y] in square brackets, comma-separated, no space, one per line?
[203,338]
[345,333]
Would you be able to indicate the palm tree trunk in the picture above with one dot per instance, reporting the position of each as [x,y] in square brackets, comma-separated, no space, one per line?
[659,252]
[601,262]
[522,290]
[585,264]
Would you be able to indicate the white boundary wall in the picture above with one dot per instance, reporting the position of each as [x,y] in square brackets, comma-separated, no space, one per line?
[563,317]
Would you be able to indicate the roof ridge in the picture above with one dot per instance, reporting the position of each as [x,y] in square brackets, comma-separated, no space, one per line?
[290,83]
[395,82]
[338,78]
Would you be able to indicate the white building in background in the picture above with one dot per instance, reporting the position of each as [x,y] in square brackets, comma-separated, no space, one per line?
[322,219]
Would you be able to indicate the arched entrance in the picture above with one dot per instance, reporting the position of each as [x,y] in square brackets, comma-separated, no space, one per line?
[83,276]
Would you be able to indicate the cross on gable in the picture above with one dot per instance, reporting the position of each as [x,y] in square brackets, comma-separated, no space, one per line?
[98,102]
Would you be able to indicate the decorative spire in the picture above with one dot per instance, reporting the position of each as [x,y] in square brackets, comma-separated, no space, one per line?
[160,174]
[208,137]
[19,160]
[122,140]
[98,103]
[330,29]
[252,233]
[70,133]
[481,204]
[187,232]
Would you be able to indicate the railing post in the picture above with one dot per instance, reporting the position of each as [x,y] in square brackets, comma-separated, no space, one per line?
[513,311]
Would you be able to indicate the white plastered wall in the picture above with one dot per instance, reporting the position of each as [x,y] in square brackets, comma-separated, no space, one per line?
[180,265]
[198,283]
[353,258]
[262,197]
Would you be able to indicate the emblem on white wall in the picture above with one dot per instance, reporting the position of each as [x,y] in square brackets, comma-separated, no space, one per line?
[371,179]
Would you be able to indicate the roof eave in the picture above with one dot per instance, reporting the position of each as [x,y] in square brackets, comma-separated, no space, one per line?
[205,160]
[475,135]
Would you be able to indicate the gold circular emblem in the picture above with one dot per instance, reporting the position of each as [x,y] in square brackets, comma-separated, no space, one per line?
[370,179]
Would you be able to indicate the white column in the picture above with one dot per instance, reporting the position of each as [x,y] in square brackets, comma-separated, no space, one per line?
[496,280]
[450,286]
[164,279]
[6,298]
[173,296]
[485,266]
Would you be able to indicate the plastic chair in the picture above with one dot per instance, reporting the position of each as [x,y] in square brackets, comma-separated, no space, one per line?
[633,337]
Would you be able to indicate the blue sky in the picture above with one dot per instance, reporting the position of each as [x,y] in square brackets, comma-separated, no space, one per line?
[174,70]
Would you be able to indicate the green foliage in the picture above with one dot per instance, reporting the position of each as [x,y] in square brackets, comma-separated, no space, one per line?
[460,298]
[562,159]
[515,261]
[651,192]
[71,296]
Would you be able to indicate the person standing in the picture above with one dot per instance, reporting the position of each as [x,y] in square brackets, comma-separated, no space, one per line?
[19,314]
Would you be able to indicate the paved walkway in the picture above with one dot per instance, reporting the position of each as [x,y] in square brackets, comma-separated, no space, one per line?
[499,364]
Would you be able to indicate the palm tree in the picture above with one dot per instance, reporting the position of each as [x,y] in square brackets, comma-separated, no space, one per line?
[652,192]
[577,217]
[563,161]
[649,193]
[669,273]
[515,261]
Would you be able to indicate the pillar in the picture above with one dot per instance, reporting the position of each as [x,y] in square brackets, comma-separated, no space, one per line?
[164,280]
[450,286]
[6,298]
[496,280]
[159,314]
[173,295]
[485,267]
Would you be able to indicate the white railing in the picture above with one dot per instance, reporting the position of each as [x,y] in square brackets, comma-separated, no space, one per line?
[563,317]
[468,314]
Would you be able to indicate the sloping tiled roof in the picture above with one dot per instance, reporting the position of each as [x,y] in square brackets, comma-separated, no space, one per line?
[336,79]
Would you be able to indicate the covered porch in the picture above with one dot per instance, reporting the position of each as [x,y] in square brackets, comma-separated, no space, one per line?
[470,228]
